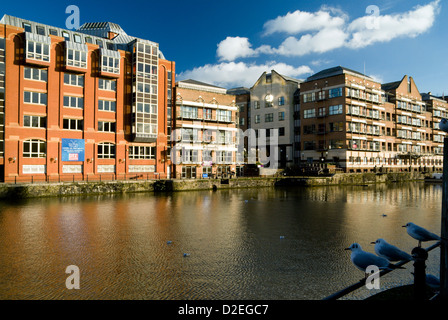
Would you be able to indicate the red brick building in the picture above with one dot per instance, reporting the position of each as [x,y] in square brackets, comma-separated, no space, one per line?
[94,103]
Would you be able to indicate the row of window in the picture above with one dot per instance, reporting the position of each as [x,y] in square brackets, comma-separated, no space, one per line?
[68,124]
[69,79]
[269,104]
[38,148]
[269,117]
[192,113]
[76,37]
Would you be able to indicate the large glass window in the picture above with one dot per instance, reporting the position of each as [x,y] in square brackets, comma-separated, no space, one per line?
[76,58]
[142,152]
[34,149]
[35,97]
[35,74]
[38,51]
[73,102]
[34,121]
[107,105]
[106,150]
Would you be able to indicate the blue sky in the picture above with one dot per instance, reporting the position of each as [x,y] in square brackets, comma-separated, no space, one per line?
[231,43]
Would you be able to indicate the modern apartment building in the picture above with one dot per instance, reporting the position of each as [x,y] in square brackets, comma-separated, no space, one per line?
[206,127]
[360,125]
[274,103]
[86,104]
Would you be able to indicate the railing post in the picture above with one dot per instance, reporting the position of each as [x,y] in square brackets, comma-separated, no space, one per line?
[444,226]
[420,255]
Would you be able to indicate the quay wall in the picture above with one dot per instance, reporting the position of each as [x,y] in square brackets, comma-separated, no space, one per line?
[21,191]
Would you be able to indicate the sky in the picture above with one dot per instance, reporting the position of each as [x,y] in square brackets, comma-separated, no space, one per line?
[231,43]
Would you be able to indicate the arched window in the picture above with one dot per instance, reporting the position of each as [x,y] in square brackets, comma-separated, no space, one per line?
[106,150]
[34,148]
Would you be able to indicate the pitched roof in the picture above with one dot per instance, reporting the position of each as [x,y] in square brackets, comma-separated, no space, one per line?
[199,83]
[390,85]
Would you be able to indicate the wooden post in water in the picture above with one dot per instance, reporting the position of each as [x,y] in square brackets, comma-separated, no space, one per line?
[444,226]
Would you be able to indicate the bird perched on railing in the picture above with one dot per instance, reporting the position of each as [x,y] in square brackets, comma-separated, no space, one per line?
[443,125]
[420,233]
[390,252]
[363,259]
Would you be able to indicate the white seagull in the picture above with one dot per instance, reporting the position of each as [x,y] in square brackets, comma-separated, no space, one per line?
[390,252]
[419,233]
[362,259]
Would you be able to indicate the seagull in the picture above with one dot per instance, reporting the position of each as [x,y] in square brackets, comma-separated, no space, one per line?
[419,233]
[443,125]
[390,252]
[362,259]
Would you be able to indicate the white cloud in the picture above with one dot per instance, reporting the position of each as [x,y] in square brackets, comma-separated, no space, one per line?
[233,48]
[235,74]
[301,21]
[383,28]
[330,28]
[325,40]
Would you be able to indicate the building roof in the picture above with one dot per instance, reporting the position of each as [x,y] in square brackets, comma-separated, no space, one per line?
[331,72]
[239,90]
[95,30]
[198,85]
[390,85]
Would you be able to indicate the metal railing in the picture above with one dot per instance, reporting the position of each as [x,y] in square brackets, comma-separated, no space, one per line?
[419,275]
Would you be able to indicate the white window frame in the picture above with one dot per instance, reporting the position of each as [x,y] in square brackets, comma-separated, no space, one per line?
[41,148]
[108,150]
[35,74]
[35,97]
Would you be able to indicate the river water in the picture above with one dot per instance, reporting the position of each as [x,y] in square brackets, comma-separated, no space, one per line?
[269,244]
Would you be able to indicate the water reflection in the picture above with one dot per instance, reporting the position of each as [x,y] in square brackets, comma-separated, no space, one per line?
[243,244]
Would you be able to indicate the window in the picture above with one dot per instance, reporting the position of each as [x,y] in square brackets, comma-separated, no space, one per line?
[310,113]
[107,105]
[334,93]
[26,26]
[257,118]
[37,51]
[225,115]
[281,131]
[34,122]
[106,150]
[88,40]
[189,156]
[224,137]
[34,149]
[73,102]
[99,43]
[256,104]
[307,97]
[110,64]
[268,117]
[76,58]
[73,124]
[106,126]
[224,156]
[146,108]
[142,152]
[35,74]
[35,97]
[66,35]
[336,126]
[321,112]
[208,114]
[74,79]
[107,84]
[281,116]
[281,101]
[53,32]
[189,112]
[77,38]
[40,30]
[335,109]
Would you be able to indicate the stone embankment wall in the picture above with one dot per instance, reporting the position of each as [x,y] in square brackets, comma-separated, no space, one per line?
[20,191]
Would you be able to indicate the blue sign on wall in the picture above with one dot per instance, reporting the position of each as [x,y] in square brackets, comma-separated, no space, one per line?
[73,149]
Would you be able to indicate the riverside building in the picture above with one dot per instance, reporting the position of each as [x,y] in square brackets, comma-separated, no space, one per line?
[357,124]
[94,103]
[206,131]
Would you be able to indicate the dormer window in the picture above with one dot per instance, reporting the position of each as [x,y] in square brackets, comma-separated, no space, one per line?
[76,55]
[110,61]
